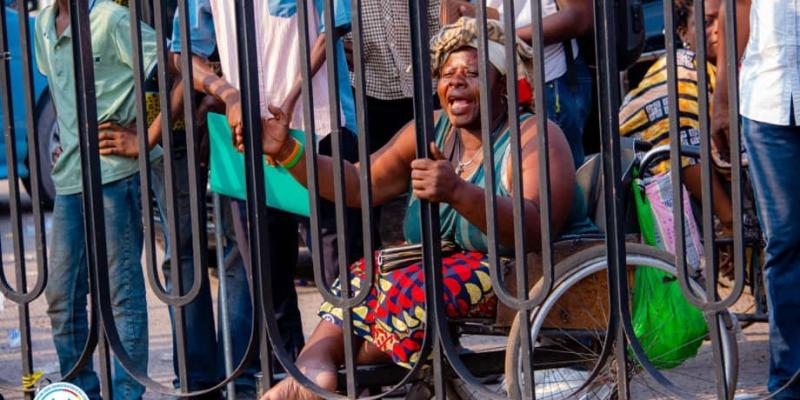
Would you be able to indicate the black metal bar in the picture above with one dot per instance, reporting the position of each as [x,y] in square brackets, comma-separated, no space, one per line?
[261,267]
[94,222]
[520,237]
[197,197]
[151,268]
[545,215]
[339,193]
[608,89]
[311,148]
[21,294]
[365,176]
[684,277]
[429,212]
[11,162]
[736,156]
[167,140]
[712,266]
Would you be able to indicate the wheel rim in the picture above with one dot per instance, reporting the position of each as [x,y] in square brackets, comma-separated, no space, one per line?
[556,380]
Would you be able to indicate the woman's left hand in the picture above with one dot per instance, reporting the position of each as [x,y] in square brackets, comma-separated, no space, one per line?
[435,179]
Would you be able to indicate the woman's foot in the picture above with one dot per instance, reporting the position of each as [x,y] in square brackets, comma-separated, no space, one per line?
[290,389]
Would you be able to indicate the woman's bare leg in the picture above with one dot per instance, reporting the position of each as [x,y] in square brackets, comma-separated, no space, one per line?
[319,361]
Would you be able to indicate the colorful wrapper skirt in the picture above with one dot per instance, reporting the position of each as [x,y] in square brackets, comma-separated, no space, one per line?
[392,317]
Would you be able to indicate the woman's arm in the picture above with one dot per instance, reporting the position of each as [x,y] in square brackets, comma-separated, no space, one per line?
[389,167]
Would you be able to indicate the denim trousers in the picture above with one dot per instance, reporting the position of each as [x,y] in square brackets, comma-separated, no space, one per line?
[68,284]
[201,364]
[569,102]
[774,153]
[283,250]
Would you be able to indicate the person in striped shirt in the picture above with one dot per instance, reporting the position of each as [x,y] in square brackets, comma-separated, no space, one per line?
[644,113]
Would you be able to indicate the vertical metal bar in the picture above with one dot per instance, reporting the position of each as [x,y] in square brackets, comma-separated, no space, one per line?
[713,318]
[219,239]
[135,12]
[339,193]
[176,276]
[545,216]
[676,172]
[311,148]
[104,356]
[608,89]
[362,118]
[13,183]
[736,147]
[94,224]
[247,46]
[429,212]
[197,192]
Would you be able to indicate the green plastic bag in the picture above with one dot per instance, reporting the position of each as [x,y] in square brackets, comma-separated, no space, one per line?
[669,328]
[227,172]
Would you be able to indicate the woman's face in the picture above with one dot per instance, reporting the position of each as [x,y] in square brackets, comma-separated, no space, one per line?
[459,88]
[712,34]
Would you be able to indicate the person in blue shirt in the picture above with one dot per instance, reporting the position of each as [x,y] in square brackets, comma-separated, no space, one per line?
[342,25]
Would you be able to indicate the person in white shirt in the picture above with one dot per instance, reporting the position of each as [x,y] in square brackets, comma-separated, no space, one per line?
[769,99]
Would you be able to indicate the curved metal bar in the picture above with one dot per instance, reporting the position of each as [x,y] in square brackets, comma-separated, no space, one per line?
[95,229]
[339,191]
[736,160]
[165,88]
[684,276]
[312,178]
[135,14]
[661,153]
[262,277]
[125,360]
[21,295]
[428,212]
[365,164]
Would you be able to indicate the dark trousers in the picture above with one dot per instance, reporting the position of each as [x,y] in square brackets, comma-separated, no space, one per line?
[385,119]
[774,152]
[283,242]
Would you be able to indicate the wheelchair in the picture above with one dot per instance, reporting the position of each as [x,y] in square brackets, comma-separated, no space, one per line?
[569,328]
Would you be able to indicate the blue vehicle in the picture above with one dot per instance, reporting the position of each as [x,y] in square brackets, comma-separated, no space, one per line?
[44,113]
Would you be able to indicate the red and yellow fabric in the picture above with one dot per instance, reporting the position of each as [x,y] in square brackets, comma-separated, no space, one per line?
[392,317]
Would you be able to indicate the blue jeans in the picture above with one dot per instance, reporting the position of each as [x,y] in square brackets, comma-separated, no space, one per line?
[68,284]
[569,105]
[282,233]
[774,153]
[198,315]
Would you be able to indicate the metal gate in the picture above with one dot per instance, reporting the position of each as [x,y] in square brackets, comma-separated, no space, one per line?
[620,349]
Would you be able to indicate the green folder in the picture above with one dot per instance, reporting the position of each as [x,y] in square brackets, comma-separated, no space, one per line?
[227,171]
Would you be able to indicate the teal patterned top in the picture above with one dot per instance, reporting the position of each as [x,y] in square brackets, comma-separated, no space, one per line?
[458,229]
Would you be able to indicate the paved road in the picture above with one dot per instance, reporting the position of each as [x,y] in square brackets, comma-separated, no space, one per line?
[752,345]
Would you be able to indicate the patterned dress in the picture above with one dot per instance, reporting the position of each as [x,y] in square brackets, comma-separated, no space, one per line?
[393,315]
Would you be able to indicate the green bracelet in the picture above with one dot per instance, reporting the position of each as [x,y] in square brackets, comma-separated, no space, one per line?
[296,156]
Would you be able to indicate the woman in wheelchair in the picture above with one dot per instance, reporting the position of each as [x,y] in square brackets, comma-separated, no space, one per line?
[389,324]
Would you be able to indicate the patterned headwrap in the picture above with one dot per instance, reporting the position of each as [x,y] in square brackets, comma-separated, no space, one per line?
[464,33]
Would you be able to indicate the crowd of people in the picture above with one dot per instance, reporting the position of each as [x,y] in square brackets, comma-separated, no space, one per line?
[389,324]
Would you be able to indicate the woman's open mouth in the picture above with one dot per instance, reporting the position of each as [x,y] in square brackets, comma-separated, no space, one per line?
[459,105]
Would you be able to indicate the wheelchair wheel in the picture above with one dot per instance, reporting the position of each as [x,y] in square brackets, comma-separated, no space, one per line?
[569,330]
